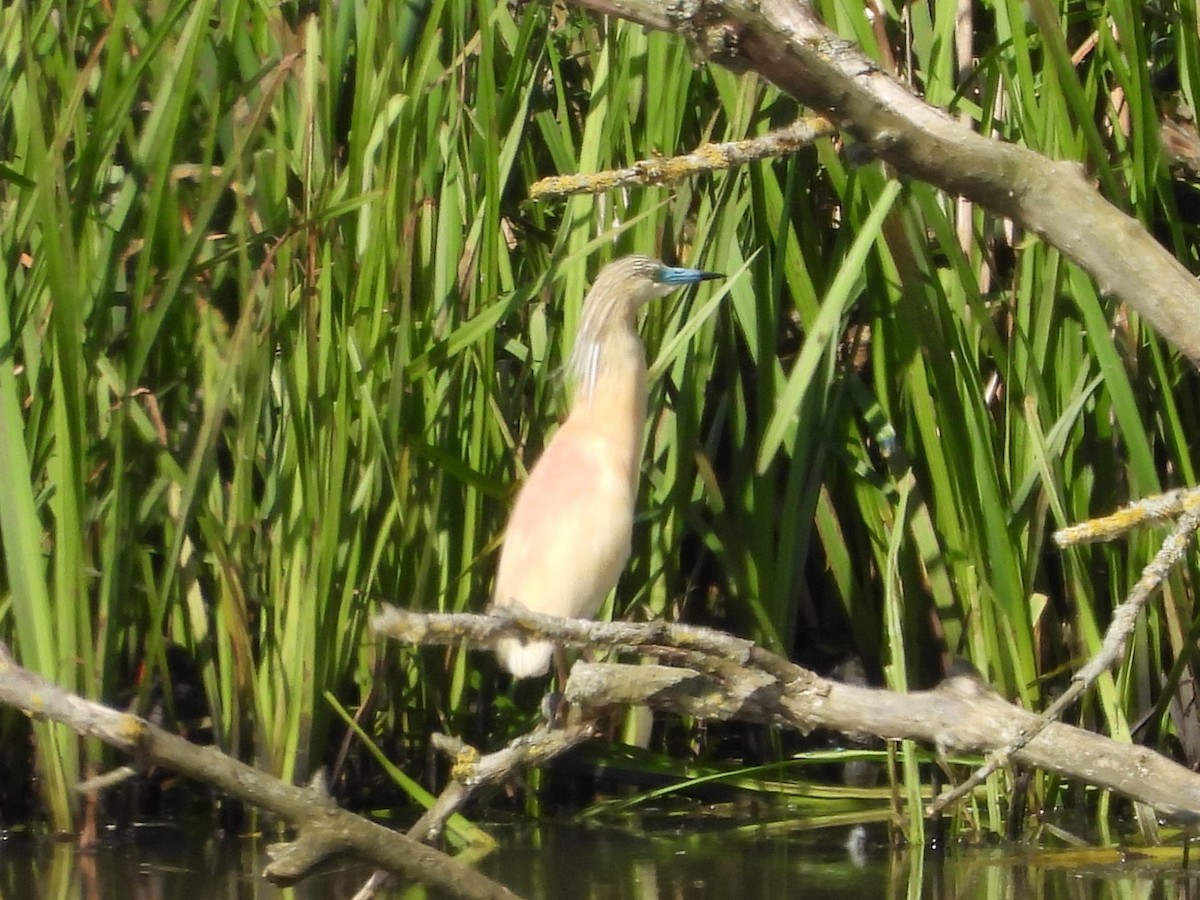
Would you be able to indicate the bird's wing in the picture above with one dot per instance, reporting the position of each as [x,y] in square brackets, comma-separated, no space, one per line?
[568,537]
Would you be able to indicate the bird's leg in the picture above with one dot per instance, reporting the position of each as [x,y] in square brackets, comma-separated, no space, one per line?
[561,671]
[560,676]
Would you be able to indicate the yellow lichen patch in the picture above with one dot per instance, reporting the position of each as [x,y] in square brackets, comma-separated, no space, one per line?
[465,762]
[131,729]
[36,706]
[1148,511]
[705,158]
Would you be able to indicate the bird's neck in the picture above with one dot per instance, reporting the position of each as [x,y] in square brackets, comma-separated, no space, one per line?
[611,401]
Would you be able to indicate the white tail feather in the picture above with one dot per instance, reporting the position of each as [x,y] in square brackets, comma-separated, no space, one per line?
[525,660]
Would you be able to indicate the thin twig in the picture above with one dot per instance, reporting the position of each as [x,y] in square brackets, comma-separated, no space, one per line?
[472,772]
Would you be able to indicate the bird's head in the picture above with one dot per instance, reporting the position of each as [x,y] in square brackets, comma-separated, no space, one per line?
[637,279]
[611,306]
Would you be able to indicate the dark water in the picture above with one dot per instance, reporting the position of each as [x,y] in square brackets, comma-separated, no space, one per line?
[554,861]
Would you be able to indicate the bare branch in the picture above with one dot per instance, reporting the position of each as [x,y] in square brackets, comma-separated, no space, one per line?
[323,828]
[784,41]
[693,645]
[961,715]
[725,677]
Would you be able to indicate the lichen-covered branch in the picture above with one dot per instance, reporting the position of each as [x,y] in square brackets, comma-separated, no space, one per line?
[322,827]
[705,158]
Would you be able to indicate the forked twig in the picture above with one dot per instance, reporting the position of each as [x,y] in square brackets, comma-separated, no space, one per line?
[1182,505]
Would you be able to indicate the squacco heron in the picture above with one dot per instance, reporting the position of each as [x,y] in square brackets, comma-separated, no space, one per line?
[569,533]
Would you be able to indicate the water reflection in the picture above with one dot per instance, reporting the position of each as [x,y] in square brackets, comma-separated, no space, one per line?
[553,862]
[591,864]
[560,861]
[158,864]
